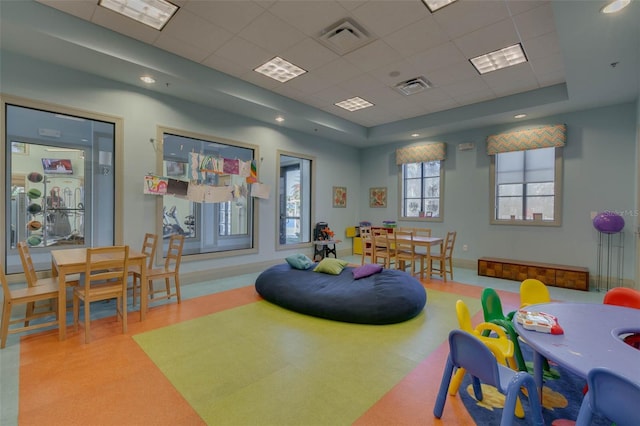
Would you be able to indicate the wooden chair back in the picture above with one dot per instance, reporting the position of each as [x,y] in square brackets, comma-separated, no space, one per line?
[27,264]
[174,254]
[106,265]
[449,243]
[422,232]
[149,247]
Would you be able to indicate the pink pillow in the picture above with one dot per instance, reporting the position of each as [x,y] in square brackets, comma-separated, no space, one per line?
[366,270]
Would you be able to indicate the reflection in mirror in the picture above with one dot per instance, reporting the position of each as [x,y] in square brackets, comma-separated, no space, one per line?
[220,222]
[294,199]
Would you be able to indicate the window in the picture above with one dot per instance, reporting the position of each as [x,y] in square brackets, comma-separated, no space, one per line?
[220,219]
[61,165]
[526,186]
[421,189]
[295,200]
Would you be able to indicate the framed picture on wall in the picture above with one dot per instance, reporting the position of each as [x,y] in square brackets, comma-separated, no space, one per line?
[339,196]
[378,197]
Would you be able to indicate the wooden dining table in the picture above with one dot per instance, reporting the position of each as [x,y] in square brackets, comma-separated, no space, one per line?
[73,261]
[422,241]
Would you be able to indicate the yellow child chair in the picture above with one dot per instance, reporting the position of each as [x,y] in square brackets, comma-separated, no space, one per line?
[533,291]
[499,344]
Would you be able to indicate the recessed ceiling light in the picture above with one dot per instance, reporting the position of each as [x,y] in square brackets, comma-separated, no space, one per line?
[148,79]
[279,119]
[499,59]
[354,104]
[415,135]
[615,5]
[434,5]
[154,13]
[279,69]
[520,116]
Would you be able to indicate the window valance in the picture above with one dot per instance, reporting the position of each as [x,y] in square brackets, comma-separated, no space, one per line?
[521,140]
[434,151]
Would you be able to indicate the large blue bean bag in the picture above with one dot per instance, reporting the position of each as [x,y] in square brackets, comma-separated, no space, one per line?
[388,297]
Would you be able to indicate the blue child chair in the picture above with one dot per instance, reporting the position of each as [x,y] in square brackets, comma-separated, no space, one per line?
[612,396]
[468,352]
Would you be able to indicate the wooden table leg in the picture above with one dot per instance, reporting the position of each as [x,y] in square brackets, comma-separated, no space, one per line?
[62,300]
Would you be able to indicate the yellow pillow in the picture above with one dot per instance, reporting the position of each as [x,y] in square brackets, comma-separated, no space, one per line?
[331,266]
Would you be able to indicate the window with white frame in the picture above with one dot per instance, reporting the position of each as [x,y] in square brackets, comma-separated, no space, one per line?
[526,176]
[421,194]
[421,181]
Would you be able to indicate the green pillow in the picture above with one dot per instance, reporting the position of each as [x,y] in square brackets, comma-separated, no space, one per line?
[331,266]
[299,261]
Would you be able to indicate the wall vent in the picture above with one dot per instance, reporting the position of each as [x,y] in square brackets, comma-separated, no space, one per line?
[344,36]
[413,86]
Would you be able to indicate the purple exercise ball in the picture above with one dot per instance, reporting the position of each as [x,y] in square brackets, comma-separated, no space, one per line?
[608,222]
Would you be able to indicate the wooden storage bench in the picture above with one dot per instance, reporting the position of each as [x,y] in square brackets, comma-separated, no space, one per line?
[574,277]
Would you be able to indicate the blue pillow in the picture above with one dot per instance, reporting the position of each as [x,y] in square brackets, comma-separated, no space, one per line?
[366,271]
[299,261]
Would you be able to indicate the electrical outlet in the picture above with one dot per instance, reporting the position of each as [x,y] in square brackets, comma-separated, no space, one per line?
[465,247]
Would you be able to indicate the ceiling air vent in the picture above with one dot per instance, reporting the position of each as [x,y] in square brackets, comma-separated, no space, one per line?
[344,36]
[413,86]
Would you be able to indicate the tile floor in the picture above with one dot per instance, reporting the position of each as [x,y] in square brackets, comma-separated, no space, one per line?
[21,363]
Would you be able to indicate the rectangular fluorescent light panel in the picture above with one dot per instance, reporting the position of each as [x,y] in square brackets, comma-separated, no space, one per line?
[434,5]
[154,13]
[354,104]
[279,69]
[498,59]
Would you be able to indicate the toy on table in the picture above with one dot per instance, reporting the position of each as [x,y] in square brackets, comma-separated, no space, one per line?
[539,321]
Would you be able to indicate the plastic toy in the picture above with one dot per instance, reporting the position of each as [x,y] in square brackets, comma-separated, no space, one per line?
[539,321]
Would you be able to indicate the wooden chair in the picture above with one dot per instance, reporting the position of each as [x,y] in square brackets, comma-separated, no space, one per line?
[32,277]
[149,247]
[382,247]
[444,258]
[26,296]
[106,273]
[367,245]
[406,253]
[170,270]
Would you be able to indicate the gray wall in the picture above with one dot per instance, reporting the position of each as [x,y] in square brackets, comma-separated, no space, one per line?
[599,169]
[599,174]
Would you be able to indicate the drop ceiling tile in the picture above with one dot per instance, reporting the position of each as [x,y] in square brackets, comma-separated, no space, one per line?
[417,37]
[535,22]
[395,73]
[351,4]
[442,56]
[539,47]
[459,88]
[546,64]
[551,78]
[336,71]
[386,17]
[508,81]
[362,84]
[310,17]
[464,17]
[309,83]
[460,71]
[261,80]
[519,6]
[244,53]
[191,28]
[123,25]
[488,39]
[383,95]
[474,97]
[181,48]
[281,35]
[225,65]
[233,16]
[81,8]
[333,94]
[309,54]
[373,56]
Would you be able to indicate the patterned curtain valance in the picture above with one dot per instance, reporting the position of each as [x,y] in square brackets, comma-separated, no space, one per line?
[542,137]
[434,151]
